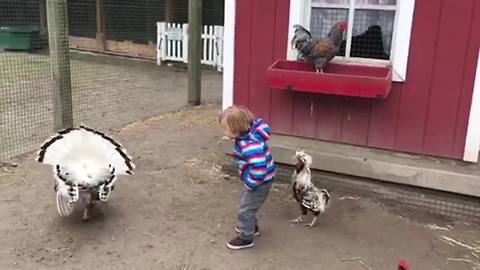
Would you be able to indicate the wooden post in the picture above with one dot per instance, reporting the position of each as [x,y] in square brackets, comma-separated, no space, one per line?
[150,15]
[101,26]
[43,20]
[60,63]
[169,11]
[194,51]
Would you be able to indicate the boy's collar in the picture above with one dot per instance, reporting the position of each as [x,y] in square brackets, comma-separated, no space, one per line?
[245,135]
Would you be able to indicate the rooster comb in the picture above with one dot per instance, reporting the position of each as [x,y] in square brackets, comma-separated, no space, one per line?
[304,157]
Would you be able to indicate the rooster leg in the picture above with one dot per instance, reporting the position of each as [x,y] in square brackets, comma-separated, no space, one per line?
[311,224]
[297,220]
[314,220]
[300,218]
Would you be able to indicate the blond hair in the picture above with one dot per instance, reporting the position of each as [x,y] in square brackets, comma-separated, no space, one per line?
[238,118]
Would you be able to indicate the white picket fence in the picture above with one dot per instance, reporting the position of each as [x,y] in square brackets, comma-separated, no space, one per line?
[172,44]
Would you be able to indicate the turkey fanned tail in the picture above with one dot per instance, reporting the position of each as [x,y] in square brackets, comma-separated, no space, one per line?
[84,142]
[84,158]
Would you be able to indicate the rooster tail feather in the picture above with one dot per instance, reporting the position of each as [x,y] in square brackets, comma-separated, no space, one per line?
[301,37]
[326,196]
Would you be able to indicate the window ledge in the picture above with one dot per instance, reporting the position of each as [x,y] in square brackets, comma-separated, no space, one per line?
[369,63]
[337,79]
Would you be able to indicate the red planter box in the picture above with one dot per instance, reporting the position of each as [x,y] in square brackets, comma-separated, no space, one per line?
[337,79]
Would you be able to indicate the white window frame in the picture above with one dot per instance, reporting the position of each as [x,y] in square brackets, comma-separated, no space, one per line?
[228,53]
[472,142]
[300,14]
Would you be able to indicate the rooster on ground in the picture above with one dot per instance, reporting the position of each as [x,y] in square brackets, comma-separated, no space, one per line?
[318,51]
[310,198]
[86,164]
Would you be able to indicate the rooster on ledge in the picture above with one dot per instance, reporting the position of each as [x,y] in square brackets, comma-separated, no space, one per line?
[86,164]
[310,198]
[318,51]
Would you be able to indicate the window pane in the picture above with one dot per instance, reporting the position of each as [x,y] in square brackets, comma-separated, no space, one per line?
[322,19]
[376,2]
[335,2]
[372,34]
[358,2]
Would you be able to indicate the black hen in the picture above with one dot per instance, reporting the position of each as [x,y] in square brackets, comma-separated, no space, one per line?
[369,44]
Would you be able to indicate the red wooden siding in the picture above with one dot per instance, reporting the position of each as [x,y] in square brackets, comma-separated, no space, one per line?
[428,114]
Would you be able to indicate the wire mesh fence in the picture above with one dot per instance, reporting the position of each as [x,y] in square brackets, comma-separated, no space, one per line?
[113,76]
[371,25]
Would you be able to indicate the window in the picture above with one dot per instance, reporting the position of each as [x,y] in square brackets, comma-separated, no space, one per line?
[375,27]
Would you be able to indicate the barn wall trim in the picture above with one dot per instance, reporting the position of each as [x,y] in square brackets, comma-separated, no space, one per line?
[228,53]
[472,143]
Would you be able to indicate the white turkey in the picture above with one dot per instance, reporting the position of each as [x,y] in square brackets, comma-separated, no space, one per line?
[310,198]
[86,164]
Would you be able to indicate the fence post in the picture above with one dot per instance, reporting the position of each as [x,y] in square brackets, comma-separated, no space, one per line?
[60,63]
[161,42]
[101,25]
[204,41]
[158,43]
[194,51]
[185,42]
[219,47]
[43,21]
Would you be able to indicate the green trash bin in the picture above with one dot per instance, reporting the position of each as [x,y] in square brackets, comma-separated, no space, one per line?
[20,37]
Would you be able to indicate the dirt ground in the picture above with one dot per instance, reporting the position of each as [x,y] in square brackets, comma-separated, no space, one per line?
[178,211]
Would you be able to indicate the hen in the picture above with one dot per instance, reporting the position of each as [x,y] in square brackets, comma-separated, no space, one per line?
[369,44]
[86,164]
[318,51]
[310,198]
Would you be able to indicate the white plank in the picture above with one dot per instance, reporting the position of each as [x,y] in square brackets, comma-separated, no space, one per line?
[228,53]
[185,43]
[472,142]
[177,50]
[205,30]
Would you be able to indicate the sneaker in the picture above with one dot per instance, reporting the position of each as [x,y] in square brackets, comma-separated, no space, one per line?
[257,230]
[239,243]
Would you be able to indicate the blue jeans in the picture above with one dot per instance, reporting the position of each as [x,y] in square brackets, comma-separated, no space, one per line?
[250,203]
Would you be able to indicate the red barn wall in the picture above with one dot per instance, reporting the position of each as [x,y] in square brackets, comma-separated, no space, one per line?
[427,114]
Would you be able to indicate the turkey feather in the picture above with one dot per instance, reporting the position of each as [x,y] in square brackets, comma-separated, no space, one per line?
[86,164]
[88,147]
